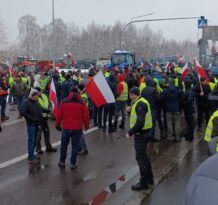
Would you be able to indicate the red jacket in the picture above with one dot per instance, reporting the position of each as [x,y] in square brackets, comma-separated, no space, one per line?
[73,114]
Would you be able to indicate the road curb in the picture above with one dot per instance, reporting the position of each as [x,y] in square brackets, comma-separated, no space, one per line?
[162,167]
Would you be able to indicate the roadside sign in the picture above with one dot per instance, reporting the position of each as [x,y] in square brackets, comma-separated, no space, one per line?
[202,23]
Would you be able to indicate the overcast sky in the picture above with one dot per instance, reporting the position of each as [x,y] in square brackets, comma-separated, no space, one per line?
[83,12]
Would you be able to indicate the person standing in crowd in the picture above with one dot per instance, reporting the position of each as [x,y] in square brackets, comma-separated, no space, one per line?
[44,126]
[151,95]
[32,113]
[3,96]
[213,101]
[140,126]
[172,98]
[110,107]
[83,150]
[188,108]
[73,115]
[121,101]
[66,86]
[11,82]
[201,93]
[57,84]
[20,92]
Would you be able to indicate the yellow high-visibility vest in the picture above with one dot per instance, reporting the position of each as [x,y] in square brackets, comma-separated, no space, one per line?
[212,86]
[141,87]
[84,96]
[148,116]
[44,103]
[209,129]
[124,94]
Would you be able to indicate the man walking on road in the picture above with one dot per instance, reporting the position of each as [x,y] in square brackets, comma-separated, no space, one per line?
[73,114]
[140,127]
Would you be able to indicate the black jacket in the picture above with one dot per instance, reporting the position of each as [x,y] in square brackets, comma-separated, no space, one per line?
[151,95]
[188,102]
[32,112]
[172,98]
[202,101]
[213,101]
[141,110]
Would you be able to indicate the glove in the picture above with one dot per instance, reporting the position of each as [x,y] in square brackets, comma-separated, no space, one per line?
[58,128]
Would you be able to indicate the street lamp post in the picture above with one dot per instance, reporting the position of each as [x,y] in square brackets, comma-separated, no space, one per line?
[150,20]
[123,32]
[136,17]
[53,36]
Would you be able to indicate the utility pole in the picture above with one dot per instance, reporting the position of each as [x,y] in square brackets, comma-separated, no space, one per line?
[150,20]
[53,36]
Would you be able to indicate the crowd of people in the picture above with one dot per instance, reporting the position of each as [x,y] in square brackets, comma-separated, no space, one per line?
[164,95]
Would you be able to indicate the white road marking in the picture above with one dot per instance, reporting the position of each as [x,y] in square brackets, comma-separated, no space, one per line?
[12,122]
[24,156]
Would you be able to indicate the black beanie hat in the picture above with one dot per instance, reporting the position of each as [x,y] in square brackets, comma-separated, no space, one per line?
[135,91]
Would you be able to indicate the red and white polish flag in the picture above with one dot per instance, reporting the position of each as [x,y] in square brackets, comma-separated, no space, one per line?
[185,70]
[53,98]
[200,71]
[99,90]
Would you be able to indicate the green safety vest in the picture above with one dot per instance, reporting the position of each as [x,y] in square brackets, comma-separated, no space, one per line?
[61,79]
[124,95]
[141,87]
[44,103]
[24,80]
[80,79]
[177,82]
[148,117]
[107,74]
[11,81]
[183,86]
[159,89]
[216,81]
[212,86]
[209,129]
[43,83]
[84,96]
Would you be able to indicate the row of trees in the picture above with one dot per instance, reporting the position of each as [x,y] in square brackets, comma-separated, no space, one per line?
[93,41]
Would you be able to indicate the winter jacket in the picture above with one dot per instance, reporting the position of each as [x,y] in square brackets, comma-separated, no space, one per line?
[19,89]
[65,88]
[203,184]
[202,101]
[73,113]
[188,102]
[172,98]
[32,112]
[213,101]
[150,94]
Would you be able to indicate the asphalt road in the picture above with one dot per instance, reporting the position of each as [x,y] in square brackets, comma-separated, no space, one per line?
[171,190]
[104,175]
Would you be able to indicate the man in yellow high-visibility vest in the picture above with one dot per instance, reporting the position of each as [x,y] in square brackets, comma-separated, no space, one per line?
[211,134]
[140,127]
[44,126]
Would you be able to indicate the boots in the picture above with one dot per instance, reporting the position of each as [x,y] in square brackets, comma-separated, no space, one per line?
[122,125]
[141,185]
[115,125]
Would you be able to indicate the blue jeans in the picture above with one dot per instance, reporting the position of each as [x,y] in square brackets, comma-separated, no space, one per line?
[74,136]
[19,101]
[3,105]
[120,107]
[82,143]
[32,132]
